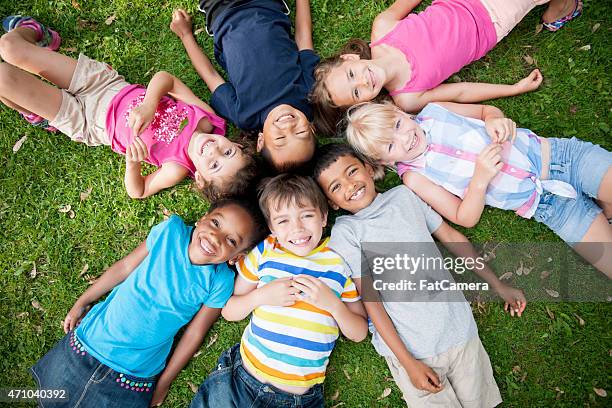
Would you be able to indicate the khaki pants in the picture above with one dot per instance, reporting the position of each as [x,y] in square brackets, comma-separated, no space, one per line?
[466,376]
[506,14]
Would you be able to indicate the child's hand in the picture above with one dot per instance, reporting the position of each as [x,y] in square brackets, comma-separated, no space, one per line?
[488,163]
[181,23]
[514,298]
[423,377]
[75,315]
[141,117]
[279,292]
[501,129]
[316,292]
[530,83]
[136,151]
[159,395]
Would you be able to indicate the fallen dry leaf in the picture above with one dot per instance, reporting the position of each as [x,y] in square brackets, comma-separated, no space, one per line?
[71,214]
[336,395]
[192,387]
[18,144]
[110,19]
[85,194]
[539,28]
[601,392]
[519,271]
[26,314]
[69,49]
[585,47]
[595,27]
[196,355]
[90,279]
[76,5]
[609,351]
[506,276]
[37,329]
[559,392]
[552,293]
[528,59]
[385,394]
[573,109]
[549,260]
[580,320]
[212,340]
[64,208]
[516,369]
[544,275]
[84,270]
[33,272]
[198,31]
[550,314]
[338,405]
[348,377]
[36,305]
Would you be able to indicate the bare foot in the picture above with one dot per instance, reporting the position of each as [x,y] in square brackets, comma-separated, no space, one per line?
[558,9]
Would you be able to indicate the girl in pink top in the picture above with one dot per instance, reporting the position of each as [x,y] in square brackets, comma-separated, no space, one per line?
[412,54]
[165,124]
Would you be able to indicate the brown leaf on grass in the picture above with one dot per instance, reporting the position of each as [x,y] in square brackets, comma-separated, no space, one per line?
[18,144]
[85,194]
[336,395]
[506,276]
[573,109]
[37,329]
[212,340]
[550,314]
[338,405]
[36,305]
[609,351]
[84,270]
[198,31]
[71,214]
[192,387]
[22,315]
[33,272]
[538,28]
[601,392]
[69,49]
[549,260]
[76,5]
[85,24]
[90,279]
[585,47]
[110,19]
[196,355]
[346,374]
[559,392]
[552,293]
[65,208]
[580,320]
[516,369]
[385,394]
[595,27]
[519,271]
[529,59]
[544,275]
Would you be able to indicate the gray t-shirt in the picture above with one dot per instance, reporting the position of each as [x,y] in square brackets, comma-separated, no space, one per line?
[398,215]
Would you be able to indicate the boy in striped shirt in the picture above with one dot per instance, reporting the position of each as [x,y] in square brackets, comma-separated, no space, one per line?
[301,297]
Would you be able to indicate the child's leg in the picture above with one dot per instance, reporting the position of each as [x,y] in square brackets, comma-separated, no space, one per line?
[596,245]
[18,48]
[27,93]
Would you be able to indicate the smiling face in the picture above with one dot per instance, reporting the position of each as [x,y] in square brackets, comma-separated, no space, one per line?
[407,143]
[221,236]
[215,157]
[348,184]
[297,228]
[287,136]
[354,80]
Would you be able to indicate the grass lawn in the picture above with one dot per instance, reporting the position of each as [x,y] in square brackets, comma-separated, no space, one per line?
[538,360]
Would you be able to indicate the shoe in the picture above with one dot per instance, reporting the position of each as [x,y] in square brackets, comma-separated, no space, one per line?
[38,121]
[47,38]
[557,24]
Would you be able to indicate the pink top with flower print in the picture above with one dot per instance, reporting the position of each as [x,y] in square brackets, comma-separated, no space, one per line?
[167,137]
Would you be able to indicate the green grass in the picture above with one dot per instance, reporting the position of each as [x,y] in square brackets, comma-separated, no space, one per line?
[50,171]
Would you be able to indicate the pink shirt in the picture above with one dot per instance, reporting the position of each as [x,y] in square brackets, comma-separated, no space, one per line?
[167,137]
[441,40]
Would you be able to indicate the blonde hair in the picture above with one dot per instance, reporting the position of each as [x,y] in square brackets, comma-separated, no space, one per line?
[369,126]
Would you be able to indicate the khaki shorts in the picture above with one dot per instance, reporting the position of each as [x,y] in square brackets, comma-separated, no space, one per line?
[82,115]
[506,14]
[465,373]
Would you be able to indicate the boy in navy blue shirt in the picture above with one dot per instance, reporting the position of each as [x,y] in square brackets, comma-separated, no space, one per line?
[269,72]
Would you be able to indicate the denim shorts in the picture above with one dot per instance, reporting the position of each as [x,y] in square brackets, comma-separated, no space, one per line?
[583,165]
[87,382]
[230,385]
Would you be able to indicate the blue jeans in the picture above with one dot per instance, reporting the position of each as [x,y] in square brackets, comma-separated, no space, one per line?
[230,385]
[583,165]
[88,383]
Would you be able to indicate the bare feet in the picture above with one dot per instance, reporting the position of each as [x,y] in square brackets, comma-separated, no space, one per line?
[558,9]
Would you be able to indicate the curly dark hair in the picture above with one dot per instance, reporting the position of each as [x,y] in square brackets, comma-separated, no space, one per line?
[260,230]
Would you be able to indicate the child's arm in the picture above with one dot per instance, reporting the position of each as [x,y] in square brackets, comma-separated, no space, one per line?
[109,279]
[303,25]
[421,375]
[350,318]
[181,26]
[459,245]
[467,92]
[247,297]
[385,21]
[184,351]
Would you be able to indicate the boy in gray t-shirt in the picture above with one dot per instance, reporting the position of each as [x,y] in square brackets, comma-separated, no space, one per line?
[432,348]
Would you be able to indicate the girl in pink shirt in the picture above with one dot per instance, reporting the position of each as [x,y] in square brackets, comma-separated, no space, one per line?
[412,54]
[165,124]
